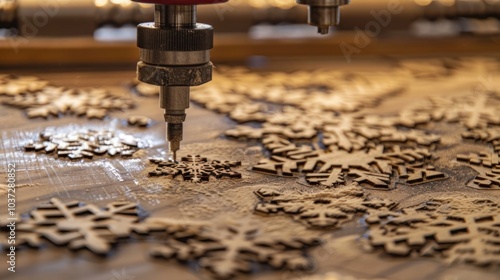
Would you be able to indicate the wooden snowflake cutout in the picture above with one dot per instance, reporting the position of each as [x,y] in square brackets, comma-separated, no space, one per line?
[86,144]
[195,168]
[229,250]
[77,225]
[17,85]
[488,135]
[342,132]
[456,229]
[54,101]
[487,166]
[472,111]
[372,168]
[419,173]
[327,91]
[323,209]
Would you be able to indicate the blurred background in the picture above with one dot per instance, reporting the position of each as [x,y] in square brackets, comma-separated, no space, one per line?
[90,33]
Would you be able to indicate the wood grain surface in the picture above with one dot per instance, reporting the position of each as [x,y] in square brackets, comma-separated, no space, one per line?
[102,180]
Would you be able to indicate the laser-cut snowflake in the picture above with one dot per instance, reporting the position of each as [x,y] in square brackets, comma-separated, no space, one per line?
[54,101]
[224,249]
[456,228]
[330,168]
[419,173]
[408,118]
[322,209]
[489,135]
[299,122]
[472,111]
[231,249]
[352,133]
[289,122]
[343,132]
[487,165]
[16,85]
[296,131]
[77,225]
[427,68]
[86,144]
[195,168]
[348,92]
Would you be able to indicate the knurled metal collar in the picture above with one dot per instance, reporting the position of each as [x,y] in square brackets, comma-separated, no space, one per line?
[199,38]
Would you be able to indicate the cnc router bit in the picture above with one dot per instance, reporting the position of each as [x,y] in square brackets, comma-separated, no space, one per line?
[324,13]
[175,55]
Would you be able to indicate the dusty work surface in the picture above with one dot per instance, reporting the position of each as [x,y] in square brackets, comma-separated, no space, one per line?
[391,165]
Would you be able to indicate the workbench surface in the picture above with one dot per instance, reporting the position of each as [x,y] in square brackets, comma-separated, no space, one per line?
[102,180]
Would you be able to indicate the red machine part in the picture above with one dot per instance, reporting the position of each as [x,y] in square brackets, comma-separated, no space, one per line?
[181,2]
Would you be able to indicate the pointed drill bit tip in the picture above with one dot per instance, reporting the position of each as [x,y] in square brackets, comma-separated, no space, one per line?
[174,147]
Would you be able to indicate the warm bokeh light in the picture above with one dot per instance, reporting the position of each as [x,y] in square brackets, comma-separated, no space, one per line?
[423,2]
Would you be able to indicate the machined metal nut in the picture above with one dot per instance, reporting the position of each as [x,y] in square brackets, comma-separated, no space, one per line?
[194,75]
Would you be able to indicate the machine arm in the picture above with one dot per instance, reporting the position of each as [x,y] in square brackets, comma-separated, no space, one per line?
[175,53]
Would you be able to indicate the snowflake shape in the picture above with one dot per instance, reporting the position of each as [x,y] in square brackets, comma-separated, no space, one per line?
[297,131]
[14,85]
[352,96]
[233,248]
[472,111]
[489,135]
[225,249]
[322,209]
[85,144]
[350,92]
[487,166]
[195,168]
[457,229]
[419,173]
[353,133]
[342,132]
[330,168]
[92,103]
[77,225]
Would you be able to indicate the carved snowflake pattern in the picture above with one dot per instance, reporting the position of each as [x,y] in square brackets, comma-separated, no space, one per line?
[17,85]
[489,135]
[348,93]
[457,229]
[231,249]
[487,166]
[86,144]
[322,209]
[342,132]
[226,249]
[373,168]
[54,101]
[472,111]
[77,225]
[195,168]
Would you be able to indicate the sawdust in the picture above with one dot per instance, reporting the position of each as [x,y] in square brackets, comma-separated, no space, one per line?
[455,228]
